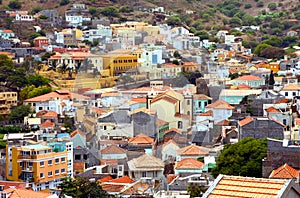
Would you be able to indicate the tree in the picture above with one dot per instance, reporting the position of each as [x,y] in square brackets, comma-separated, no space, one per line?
[272,52]
[19,113]
[14,4]
[31,91]
[93,11]
[126,9]
[259,48]
[174,21]
[247,6]
[272,6]
[243,158]
[37,80]
[64,2]
[110,11]
[195,191]
[271,79]
[81,188]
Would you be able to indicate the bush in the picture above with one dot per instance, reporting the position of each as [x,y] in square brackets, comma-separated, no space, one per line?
[14,4]
[247,6]
[272,6]
[110,11]
[260,4]
[126,9]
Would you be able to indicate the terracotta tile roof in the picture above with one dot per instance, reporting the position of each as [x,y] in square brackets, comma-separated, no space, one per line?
[245,121]
[223,123]
[243,86]
[291,87]
[248,78]
[61,94]
[207,113]
[135,188]
[220,104]
[105,179]
[145,110]
[201,97]
[284,172]
[11,184]
[171,178]
[109,162]
[169,142]
[160,122]
[282,101]
[140,100]
[124,180]
[113,149]
[166,98]
[184,116]
[236,186]
[98,110]
[193,150]
[41,113]
[112,187]
[77,132]
[189,163]
[141,139]
[173,130]
[277,121]
[272,110]
[7,31]
[79,166]
[297,121]
[50,114]
[63,104]
[21,193]
[47,124]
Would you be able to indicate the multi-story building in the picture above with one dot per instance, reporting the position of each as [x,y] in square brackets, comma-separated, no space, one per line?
[43,166]
[119,64]
[7,100]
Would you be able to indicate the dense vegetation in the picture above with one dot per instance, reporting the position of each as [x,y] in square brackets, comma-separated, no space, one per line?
[243,158]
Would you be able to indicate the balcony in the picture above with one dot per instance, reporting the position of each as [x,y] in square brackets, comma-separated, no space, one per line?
[27,169]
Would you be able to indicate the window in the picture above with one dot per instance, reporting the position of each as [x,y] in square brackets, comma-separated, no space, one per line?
[40,108]
[294,93]
[41,175]
[179,125]
[188,102]
[42,164]
[155,174]
[144,174]
[63,159]
[50,174]
[56,160]
[49,162]
[85,157]
[286,93]
[56,172]
[77,157]
[63,170]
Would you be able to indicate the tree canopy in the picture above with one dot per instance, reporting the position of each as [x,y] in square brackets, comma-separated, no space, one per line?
[19,113]
[243,158]
[81,188]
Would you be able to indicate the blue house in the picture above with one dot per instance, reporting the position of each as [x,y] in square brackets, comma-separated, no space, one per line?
[200,102]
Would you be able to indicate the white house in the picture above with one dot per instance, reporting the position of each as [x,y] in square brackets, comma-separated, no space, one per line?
[290,91]
[221,110]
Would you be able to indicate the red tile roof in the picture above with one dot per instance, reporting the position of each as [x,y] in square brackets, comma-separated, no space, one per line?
[282,101]
[291,87]
[60,94]
[141,100]
[11,184]
[105,179]
[223,123]
[166,98]
[141,139]
[77,132]
[248,78]
[236,186]
[112,187]
[161,122]
[193,150]
[113,149]
[284,172]
[21,193]
[124,180]
[173,130]
[47,124]
[243,86]
[171,178]
[189,163]
[41,113]
[272,110]
[220,104]
[207,113]
[50,114]
[245,121]
[109,162]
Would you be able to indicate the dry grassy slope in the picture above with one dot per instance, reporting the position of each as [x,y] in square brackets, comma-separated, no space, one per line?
[168,4]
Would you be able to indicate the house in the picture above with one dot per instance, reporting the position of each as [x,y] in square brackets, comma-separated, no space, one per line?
[228,186]
[170,70]
[192,151]
[141,142]
[59,101]
[113,152]
[200,102]
[260,127]
[279,152]
[144,121]
[78,138]
[221,110]
[176,135]
[285,172]
[41,41]
[250,80]
[7,101]
[169,151]
[146,166]
[162,126]
[284,117]
[24,193]
[188,166]
[235,96]
[290,91]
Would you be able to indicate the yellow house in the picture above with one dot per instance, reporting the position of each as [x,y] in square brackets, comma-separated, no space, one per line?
[7,100]
[130,29]
[118,64]
[38,164]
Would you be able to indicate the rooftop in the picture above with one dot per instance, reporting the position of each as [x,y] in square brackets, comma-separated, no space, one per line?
[284,172]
